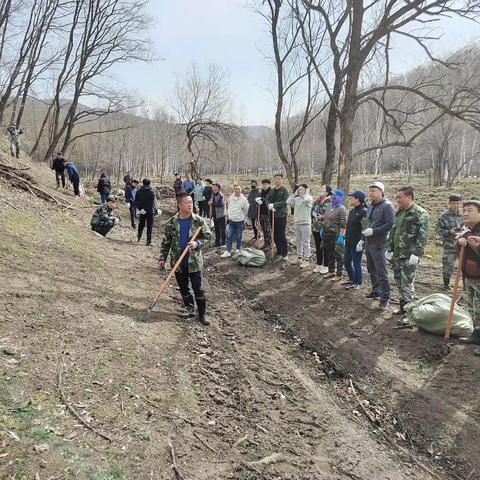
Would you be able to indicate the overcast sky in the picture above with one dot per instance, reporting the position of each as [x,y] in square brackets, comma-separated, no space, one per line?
[227,33]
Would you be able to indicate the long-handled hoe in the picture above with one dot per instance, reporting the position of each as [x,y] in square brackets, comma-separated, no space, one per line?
[445,346]
[273,230]
[170,275]
[257,242]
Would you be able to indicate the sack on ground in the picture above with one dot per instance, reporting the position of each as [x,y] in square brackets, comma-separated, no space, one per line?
[251,257]
[430,313]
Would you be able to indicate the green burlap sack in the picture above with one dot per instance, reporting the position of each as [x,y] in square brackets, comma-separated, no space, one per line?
[430,313]
[251,257]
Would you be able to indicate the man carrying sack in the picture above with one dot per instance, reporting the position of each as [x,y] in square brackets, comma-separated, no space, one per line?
[178,233]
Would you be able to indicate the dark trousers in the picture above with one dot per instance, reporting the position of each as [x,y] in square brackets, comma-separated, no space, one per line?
[353,265]
[60,176]
[195,279]
[322,255]
[101,230]
[148,218]
[220,231]
[335,255]
[76,187]
[103,197]
[254,226]
[377,268]
[193,201]
[203,208]
[280,237]
[133,210]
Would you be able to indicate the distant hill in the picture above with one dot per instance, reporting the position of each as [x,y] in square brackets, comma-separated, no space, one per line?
[257,131]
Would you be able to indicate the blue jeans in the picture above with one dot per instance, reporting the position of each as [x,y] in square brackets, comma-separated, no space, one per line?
[235,231]
[103,197]
[353,265]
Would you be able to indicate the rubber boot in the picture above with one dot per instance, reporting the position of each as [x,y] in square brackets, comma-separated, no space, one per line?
[202,308]
[446,284]
[401,309]
[189,311]
[474,338]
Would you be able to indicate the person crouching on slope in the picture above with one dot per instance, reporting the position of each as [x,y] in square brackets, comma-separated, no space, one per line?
[103,220]
[178,233]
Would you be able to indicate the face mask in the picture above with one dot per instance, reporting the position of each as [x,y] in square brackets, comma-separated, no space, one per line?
[253,187]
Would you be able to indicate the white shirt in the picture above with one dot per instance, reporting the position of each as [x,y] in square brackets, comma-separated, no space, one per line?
[237,208]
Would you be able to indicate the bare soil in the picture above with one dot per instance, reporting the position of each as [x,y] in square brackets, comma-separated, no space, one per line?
[294,379]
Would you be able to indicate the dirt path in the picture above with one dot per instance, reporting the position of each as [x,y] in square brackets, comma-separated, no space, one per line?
[90,392]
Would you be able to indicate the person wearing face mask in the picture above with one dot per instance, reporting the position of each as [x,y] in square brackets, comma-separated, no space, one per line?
[253,207]
[333,237]
[319,207]
[301,202]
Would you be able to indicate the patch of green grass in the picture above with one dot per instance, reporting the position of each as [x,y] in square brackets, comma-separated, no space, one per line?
[98,367]
[111,473]
[41,435]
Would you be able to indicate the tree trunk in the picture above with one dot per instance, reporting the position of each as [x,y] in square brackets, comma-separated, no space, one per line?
[330,132]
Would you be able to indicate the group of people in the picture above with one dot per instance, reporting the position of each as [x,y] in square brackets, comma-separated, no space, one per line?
[60,166]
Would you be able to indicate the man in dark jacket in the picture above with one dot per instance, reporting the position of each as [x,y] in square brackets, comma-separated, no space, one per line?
[73,176]
[353,235]
[277,204]
[207,194]
[265,214]
[130,193]
[103,219]
[219,212]
[145,205]
[253,208]
[178,185]
[127,179]
[104,188]
[59,167]
[380,217]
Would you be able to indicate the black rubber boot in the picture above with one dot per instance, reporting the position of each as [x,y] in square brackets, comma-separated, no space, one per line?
[189,311]
[401,309]
[202,308]
[446,284]
[474,338]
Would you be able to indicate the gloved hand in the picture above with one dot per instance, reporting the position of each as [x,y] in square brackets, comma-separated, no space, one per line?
[321,233]
[116,221]
[368,232]
[359,247]
[413,260]
[270,207]
[340,239]
[259,200]
[314,215]
[128,205]
[389,255]
[142,212]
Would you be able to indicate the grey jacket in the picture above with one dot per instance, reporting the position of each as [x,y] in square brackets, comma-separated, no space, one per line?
[380,218]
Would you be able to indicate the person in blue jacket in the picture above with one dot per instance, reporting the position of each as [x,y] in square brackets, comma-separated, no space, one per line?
[73,176]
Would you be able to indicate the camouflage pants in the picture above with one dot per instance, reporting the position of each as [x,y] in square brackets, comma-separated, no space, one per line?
[404,275]
[15,148]
[267,231]
[473,291]
[448,261]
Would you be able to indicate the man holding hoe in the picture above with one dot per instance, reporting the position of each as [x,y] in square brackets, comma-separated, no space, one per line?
[178,236]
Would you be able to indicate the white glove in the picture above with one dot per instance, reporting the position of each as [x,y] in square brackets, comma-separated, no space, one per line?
[359,247]
[413,260]
[116,222]
[388,255]
[141,212]
[270,207]
[259,200]
[368,232]
[128,205]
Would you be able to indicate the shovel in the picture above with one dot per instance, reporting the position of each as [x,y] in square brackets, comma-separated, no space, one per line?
[257,241]
[170,275]
[445,346]
[210,217]
[273,230]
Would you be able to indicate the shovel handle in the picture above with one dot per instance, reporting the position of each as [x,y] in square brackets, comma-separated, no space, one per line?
[454,293]
[273,230]
[257,243]
[175,268]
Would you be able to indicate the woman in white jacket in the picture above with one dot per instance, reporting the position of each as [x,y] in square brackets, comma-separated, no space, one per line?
[237,209]
[302,202]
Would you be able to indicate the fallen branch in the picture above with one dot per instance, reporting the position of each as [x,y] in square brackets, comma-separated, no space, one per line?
[362,406]
[10,205]
[240,441]
[204,442]
[173,458]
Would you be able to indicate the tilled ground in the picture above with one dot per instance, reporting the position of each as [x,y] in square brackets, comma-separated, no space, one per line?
[88,391]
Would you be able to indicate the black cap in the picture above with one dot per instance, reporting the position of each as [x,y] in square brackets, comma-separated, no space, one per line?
[455,198]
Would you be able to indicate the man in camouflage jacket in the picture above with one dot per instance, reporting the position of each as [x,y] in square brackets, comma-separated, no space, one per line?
[178,233]
[449,224]
[103,219]
[407,242]
[14,133]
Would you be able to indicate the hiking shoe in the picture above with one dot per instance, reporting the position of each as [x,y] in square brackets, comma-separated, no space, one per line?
[295,261]
[352,286]
[226,254]
[383,305]
[372,296]
[304,263]
[348,282]
[323,269]
[317,269]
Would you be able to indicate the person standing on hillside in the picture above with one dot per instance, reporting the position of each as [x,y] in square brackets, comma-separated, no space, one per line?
[407,245]
[199,198]
[73,176]
[318,210]
[237,209]
[127,179]
[333,234]
[58,167]
[219,212]
[14,131]
[103,219]
[178,233]
[265,220]
[380,217]
[145,205]
[449,224]
[207,195]
[302,202]
[253,207]
[471,267]
[277,204]
[189,187]
[130,194]
[353,240]
[178,185]
[104,187]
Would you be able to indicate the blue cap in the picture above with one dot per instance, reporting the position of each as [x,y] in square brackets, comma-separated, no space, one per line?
[338,193]
[360,194]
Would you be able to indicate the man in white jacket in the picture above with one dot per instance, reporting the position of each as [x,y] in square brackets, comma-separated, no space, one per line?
[237,212]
